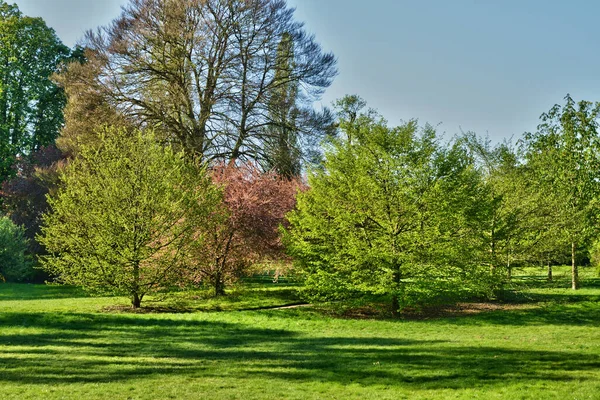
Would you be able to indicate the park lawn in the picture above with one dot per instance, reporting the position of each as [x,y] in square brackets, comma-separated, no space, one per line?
[58,343]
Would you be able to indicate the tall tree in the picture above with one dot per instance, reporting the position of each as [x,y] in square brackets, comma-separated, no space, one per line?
[202,72]
[565,153]
[283,148]
[30,103]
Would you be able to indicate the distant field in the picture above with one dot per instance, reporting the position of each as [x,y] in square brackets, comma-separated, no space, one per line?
[58,343]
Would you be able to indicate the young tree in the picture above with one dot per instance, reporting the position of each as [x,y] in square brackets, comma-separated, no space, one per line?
[125,215]
[244,229]
[565,154]
[517,215]
[392,213]
[202,72]
[30,103]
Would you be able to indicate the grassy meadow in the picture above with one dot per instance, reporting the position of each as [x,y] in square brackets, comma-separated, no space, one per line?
[58,343]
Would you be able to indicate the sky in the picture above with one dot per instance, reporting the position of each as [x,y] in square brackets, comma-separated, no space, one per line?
[488,66]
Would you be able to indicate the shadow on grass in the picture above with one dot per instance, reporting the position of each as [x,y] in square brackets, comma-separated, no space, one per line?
[535,290]
[95,348]
[24,291]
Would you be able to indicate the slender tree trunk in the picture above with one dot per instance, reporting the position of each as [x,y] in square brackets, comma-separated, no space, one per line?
[508,266]
[493,246]
[574,272]
[136,299]
[549,270]
[395,299]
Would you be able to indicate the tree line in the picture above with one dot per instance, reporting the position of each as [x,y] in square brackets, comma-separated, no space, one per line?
[179,146]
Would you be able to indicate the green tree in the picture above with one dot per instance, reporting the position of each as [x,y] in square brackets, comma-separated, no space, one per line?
[517,215]
[125,215]
[30,103]
[565,155]
[14,264]
[392,213]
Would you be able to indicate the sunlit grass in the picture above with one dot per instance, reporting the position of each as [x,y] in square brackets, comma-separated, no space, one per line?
[55,343]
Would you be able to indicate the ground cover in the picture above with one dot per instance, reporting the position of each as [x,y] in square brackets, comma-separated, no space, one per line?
[58,343]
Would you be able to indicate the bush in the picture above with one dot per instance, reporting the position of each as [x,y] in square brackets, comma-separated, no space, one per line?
[14,263]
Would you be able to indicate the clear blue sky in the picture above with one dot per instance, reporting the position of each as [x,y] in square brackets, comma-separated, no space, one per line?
[483,65]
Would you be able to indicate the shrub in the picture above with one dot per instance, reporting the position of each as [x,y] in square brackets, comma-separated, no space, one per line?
[14,263]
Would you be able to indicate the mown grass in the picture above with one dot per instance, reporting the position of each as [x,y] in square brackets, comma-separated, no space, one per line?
[56,343]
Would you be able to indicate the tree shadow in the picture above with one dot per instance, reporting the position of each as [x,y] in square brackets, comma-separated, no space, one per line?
[26,291]
[95,348]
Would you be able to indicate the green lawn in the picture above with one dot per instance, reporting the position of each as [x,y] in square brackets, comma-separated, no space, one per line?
[57,343]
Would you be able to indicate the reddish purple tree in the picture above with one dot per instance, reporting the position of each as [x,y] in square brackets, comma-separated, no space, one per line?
[23,197]
[245,229]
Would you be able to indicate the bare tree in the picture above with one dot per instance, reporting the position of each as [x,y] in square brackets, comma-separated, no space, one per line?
[201,72]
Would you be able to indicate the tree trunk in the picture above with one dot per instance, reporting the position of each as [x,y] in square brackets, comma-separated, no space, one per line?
[219,285]
[395,299]
[493,246]
[136,301]
[574,272]
[508,267]
[549,270]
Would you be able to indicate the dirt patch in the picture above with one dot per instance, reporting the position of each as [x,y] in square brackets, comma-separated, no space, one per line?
[122,309]
[462,309]
[382,311]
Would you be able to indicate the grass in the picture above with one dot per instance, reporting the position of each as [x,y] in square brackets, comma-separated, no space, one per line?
[57,343]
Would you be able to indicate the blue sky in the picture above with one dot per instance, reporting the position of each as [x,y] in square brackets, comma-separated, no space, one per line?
[487,66]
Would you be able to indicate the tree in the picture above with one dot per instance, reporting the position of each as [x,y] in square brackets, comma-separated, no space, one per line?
[30,103]
[517,215]
[14,264]
[88,106]
[392,214]
[244,229]
[203,73]
[565,154]
[283,154]
[124,216]
[24,195]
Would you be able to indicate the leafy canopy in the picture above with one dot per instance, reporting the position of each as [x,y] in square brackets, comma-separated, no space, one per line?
[393,213]
[125,215]
[31,103]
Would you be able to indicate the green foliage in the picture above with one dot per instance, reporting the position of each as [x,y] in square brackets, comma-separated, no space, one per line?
[393,214]
[14,264]
[125,215]
[30,103]
[517,214]
[565,155]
